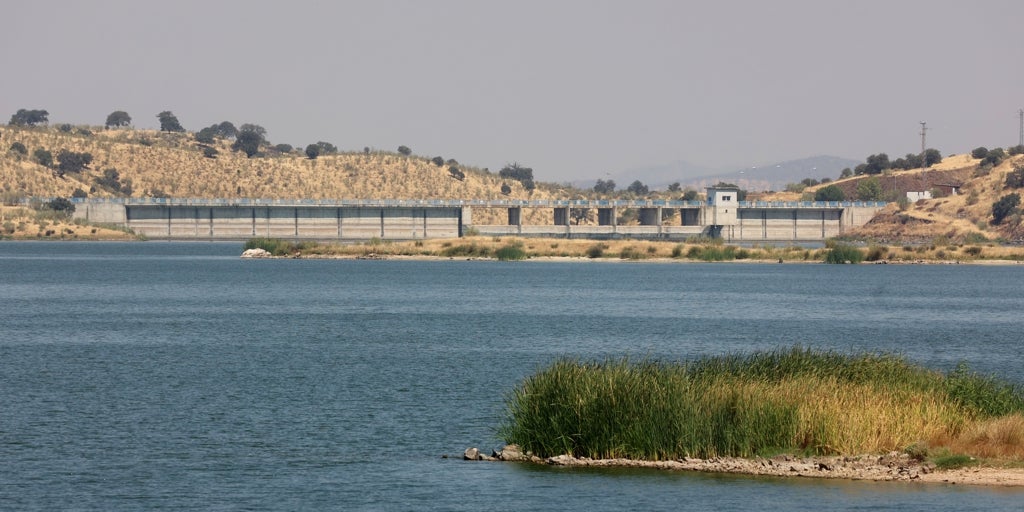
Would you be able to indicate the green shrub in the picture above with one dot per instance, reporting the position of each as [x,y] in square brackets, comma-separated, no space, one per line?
[876,253]
[512,252]
[975,237]
[677,251]
[630,253]
[843,253]
[954,461]
[467,250]
[595,251]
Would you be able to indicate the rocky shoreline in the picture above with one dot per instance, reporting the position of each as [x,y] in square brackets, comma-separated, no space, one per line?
[894,466]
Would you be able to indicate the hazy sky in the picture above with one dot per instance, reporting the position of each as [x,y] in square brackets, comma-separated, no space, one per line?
[574,89]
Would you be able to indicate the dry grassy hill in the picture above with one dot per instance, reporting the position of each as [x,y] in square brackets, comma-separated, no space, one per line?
[157,164]
[964,217]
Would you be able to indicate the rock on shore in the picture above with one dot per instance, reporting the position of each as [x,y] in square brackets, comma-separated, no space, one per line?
[892,466]
[256,253]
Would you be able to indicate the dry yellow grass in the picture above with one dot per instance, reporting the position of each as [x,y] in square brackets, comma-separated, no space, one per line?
[28,224]
[173,164]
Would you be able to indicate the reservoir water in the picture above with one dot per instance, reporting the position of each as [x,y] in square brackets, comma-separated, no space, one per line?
[176,376]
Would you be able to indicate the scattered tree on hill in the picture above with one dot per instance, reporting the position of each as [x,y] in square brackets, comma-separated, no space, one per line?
[931,157]
[168,122]
[869,189]
[979,152]
[845,173]
[25,117]
[438,161]
[638,188]
[249,140]
[111,180]
[78,193]
[690,195]
[1015,150]
[65,128]
[283,148]
[320,148]
[911,161]
[18,148]
[404,150]
[578,215]
[62,205]
[72,161]
[456,173]
[506,189]
[226,129]
[830,193]
[206,135]
[118,118]
[210,152]
[1005,207]
[514,171]
[994,157]
[326,148]
[43,157]
[875,164]
[675,187]
[1015,178]
[604,187]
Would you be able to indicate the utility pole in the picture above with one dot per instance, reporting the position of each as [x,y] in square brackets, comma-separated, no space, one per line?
[924,130]
[922,178]
[1020,112]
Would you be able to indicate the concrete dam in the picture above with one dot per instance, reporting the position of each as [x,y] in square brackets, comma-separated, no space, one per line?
[240,219]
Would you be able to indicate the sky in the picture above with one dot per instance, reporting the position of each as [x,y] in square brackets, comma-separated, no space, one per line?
[575,89]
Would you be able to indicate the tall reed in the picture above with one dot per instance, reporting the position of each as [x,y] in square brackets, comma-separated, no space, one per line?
[744,405]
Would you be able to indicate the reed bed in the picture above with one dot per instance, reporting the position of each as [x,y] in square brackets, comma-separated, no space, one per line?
[795,400]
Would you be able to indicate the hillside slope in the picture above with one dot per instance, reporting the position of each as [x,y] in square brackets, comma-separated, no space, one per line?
[156,164]
[963,217]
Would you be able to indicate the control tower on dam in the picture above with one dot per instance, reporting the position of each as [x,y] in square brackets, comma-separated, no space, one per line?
[722,215]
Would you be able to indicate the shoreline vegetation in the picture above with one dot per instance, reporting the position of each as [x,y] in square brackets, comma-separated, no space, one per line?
[798,412]
[511,248]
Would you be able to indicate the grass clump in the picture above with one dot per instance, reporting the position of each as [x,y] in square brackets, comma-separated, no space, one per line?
[631,253]
[473,250]
[714,252]
[745,405]
[954,461]
[839,253]
[511,252]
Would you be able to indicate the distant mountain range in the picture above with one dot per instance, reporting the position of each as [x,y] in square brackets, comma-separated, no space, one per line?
[753,178]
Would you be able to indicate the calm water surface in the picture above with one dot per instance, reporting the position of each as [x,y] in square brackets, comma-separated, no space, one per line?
[148,376]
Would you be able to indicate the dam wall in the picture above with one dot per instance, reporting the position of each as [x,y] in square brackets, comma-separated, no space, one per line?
[220,219]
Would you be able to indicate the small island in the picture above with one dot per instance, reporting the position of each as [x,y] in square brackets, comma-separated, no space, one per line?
[795,412]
